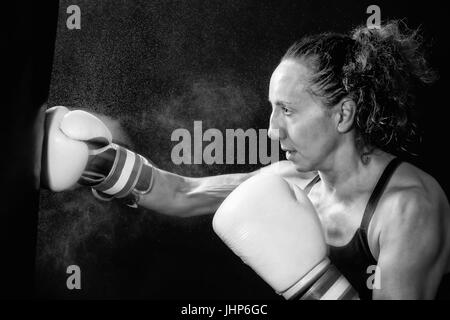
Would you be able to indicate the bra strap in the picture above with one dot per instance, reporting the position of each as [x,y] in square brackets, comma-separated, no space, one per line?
[378,192]
[311,184]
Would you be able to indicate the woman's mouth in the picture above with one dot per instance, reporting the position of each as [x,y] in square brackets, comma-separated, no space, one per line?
[290,154]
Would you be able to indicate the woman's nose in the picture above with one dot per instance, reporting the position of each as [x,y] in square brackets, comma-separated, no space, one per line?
[276,131]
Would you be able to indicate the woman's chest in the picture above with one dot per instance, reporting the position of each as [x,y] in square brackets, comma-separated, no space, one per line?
[340,221]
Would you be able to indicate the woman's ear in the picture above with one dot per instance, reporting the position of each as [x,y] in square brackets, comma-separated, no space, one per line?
[346,115]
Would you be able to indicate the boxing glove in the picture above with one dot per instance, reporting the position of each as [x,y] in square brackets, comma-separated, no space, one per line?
[78,148]
[273,227]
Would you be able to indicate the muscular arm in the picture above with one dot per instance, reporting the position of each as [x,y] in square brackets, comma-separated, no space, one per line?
[185,196]
[413,248]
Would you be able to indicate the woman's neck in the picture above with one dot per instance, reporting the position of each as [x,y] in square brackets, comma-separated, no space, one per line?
[346,174]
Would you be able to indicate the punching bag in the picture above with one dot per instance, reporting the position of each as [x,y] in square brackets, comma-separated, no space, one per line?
[26,70]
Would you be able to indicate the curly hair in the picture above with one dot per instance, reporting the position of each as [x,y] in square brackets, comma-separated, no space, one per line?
[380,70]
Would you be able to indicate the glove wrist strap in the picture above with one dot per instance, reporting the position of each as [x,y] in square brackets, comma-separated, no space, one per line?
[306,281]
[130,174]
[323,282]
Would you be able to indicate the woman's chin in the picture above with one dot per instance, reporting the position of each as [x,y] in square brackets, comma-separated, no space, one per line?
[299,164]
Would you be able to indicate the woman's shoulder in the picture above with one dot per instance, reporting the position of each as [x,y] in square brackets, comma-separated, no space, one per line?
[413,192]
[410,179]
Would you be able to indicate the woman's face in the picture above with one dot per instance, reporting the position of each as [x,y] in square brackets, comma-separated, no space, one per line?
[306,129]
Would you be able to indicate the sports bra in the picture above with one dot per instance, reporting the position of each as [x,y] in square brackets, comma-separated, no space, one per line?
[355,260]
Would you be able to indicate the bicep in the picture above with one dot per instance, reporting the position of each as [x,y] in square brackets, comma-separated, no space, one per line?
[406,275]
[410,263]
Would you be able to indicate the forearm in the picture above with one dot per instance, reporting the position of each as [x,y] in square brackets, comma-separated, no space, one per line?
[185,196]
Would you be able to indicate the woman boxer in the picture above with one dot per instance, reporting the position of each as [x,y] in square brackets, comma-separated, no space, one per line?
[342,106]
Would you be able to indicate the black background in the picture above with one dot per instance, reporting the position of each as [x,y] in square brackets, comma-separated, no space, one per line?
[149,67]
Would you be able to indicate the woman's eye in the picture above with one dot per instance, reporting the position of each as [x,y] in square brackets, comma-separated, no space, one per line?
[286,110]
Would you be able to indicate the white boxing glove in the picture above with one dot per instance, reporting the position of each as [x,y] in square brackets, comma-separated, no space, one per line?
[78,148]
[274,229]
[63,159]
